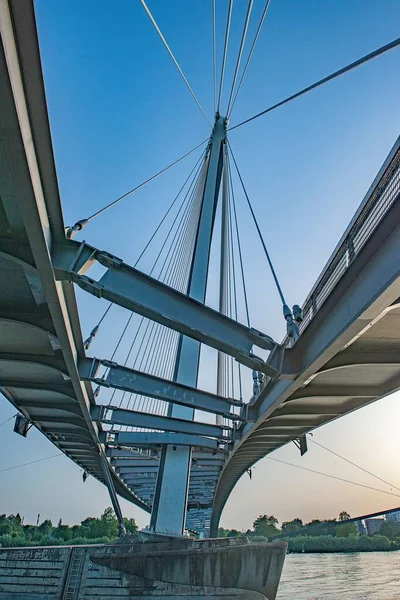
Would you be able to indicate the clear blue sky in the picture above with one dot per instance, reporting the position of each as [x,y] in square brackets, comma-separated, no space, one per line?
[119,112]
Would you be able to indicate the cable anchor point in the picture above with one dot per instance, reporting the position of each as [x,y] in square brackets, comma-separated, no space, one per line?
[79,225]
[292,318]
[87,343]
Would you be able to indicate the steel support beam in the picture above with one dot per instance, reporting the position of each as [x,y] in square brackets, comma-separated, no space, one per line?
[121,416]
[150,298]
[114,453]
[111,490]
[201,462]
[136,470]
[144,384]
[206,474]
[134,463]
[137,439]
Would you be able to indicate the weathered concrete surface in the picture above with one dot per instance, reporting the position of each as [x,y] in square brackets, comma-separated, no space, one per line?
[34,573]
[144,567]
[204,568]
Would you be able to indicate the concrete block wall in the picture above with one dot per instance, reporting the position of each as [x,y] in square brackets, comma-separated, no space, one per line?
[58,573]
[34,573]
[102,583]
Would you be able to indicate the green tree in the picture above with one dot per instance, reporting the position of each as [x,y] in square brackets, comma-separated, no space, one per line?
[106,526]
[344,516]
[390,529]
[317,527]
[346,530]
[292,526]
[46,527]
[11,525]
[233,533]
[62,532]
[130,525]
[222,533]
[266,526]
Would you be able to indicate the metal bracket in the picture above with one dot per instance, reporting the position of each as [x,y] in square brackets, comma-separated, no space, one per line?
[301,443]
[109,260]
[89,285]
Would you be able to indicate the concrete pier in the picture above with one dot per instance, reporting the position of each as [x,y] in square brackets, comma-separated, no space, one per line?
[141,568]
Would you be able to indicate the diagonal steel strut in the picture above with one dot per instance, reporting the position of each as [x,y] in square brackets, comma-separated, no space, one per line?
[150,298]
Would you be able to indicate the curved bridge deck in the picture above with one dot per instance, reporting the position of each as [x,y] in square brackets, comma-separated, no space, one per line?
[39,324]
[347,354]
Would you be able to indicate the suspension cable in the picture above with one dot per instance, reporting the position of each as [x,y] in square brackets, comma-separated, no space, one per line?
[353,463]
[169,209]
[246,303]
[79,225]
[95,330]
[368,487]
[239,58]
[31,462]
[146,8]
[232,293]
[259,232]
[350,67]
[8,420]
[157,342]
[166,276]
[174,248]
[246,66]
[172,245]
[214,46]
[227,31]
[230,196]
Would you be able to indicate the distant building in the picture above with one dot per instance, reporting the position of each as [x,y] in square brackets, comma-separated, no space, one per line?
[373,525]
[360,527]
[394,516]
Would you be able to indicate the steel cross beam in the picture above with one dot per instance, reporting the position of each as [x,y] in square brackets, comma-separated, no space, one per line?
[136,470]
[150,298]
[130,452]
[135,463]
[206,474]
[122,416]
[129,380]
[151,439]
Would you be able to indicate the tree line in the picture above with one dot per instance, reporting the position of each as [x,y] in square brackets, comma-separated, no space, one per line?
[329,535]
[92,530]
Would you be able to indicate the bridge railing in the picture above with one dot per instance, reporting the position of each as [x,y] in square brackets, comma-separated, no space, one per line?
[383,193]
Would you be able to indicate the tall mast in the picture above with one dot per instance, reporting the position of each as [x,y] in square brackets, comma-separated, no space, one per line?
[223,274]
[169,508]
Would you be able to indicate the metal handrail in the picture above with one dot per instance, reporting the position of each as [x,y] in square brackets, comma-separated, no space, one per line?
[383,193]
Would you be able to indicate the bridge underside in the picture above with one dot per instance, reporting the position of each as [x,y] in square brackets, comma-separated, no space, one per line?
[40,336]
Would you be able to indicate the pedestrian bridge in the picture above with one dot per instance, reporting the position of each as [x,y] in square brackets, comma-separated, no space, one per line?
[344,356]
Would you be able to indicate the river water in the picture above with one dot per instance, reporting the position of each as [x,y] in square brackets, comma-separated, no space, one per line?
[352,576]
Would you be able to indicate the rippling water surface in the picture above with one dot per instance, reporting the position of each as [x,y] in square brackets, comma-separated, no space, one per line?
[355,576]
